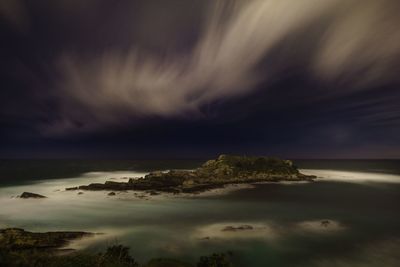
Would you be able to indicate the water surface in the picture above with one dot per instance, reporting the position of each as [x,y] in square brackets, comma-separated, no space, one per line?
[362,206]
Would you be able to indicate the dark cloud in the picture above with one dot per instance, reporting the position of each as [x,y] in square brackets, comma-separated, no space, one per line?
[307,78]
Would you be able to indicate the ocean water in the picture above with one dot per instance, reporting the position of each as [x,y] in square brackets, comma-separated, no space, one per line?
[359,198]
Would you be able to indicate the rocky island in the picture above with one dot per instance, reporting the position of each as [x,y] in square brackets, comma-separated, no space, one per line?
[224,170]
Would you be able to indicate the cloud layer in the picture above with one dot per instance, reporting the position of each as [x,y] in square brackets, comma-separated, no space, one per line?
[354,45]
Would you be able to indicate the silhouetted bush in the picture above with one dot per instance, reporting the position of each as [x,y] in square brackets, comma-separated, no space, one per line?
[119,256]
[215,260]
[115,256]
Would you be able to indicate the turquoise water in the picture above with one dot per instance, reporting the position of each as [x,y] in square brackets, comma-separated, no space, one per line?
[362,208]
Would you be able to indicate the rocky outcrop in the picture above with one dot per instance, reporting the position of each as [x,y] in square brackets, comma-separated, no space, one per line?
[30,195]
[216,173]
[16,238]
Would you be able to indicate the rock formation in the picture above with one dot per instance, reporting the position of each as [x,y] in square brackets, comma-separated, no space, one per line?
[16,238]
[216,173]
[30,195]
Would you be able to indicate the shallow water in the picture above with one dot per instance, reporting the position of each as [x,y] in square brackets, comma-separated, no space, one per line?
[362,209]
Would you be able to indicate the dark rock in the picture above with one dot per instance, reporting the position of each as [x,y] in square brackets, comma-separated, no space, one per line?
[111,194]
[239,228]
[71,188]
[31,195]
[16,238]
[153,193]
[325,223]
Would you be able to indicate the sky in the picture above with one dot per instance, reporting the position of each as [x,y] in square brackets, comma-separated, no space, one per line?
[193,79]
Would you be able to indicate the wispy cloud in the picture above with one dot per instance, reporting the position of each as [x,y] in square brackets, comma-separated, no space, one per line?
[14,13]
[362,44]
[359,45]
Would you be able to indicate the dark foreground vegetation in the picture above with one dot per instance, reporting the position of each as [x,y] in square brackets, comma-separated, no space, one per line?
[114,256]
[20,248]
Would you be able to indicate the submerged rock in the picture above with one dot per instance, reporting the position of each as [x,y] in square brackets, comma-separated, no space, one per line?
[71,188]
[111,194]
[239,228]
[212,174]
[153,193]
[31,195]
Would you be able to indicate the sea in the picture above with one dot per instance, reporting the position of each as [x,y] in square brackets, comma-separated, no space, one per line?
[350,216]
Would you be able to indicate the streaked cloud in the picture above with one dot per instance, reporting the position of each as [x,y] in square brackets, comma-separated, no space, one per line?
[359,45]
[14,13]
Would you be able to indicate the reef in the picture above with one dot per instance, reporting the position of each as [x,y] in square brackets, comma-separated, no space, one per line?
[19,239]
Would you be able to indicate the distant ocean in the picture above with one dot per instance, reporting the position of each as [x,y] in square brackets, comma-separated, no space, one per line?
[20,171]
